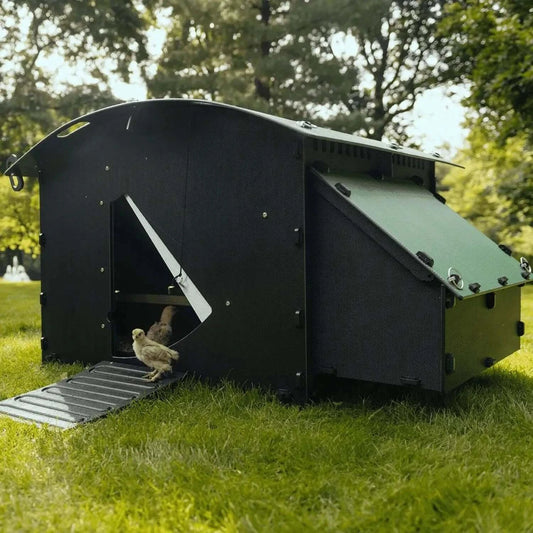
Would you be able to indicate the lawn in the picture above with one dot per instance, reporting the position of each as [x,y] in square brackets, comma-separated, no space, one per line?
[199,458]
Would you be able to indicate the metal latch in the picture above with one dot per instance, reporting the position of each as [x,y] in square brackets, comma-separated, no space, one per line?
[15,178]
[526,267]
[455,278]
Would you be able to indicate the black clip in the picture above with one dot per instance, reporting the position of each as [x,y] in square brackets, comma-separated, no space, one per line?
[343,190]
[474,287]
[425,258]
[505,249]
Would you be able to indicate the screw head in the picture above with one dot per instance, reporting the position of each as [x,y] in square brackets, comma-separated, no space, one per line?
[102,269]
[101,202]
[265,214]
[107,168]
[102,326]
[228,303]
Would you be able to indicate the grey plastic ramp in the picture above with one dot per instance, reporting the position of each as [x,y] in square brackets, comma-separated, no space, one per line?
[89,395]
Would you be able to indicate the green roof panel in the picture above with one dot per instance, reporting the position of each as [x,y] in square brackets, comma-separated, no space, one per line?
[445,243]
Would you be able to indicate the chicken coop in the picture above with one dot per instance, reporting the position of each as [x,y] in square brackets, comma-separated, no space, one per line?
[287,251]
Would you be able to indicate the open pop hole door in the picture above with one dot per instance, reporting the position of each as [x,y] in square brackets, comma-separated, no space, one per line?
[149,284]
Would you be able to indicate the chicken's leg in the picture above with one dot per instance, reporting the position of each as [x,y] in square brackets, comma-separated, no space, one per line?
[156,375]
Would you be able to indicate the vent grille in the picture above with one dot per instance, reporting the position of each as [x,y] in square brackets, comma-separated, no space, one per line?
[361,152]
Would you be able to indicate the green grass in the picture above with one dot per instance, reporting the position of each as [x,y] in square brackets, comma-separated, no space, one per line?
[199,458]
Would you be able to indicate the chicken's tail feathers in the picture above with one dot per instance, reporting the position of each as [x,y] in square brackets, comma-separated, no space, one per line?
[174,354]
[167,314]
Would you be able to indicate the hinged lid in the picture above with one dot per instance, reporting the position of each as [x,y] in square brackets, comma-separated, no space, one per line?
[448,246]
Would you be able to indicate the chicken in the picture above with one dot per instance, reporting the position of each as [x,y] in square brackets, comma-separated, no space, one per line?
[153,354]
[161,331]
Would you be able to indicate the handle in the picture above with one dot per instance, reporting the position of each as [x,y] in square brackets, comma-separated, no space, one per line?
[18,183]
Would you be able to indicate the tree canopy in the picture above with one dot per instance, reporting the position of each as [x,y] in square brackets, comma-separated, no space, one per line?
[90,40]
[495,192]
[358,67]
[490,46]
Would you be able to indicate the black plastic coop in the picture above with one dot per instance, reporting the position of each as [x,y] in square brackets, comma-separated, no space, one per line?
[289,250]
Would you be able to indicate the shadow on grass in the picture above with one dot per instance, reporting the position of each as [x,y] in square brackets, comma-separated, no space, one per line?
[495,384]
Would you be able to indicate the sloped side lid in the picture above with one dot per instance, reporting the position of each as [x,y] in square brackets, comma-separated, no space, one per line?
[431,232]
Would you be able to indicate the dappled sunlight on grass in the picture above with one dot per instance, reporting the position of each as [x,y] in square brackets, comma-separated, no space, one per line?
[219,458]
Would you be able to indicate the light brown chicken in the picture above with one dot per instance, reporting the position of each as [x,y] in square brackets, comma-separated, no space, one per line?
[161,331]
[153,354]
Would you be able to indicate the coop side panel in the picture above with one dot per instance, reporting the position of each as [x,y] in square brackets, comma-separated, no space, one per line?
[244,249]
[75,248]
[480,332]
[370,318]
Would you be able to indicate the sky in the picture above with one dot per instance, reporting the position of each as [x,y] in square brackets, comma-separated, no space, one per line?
[437,120]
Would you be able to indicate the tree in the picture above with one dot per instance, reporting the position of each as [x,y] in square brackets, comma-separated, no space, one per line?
[280,56]
[250,54]
[397,54]
[490,47]
[19,218]
[82,36]
[495,192]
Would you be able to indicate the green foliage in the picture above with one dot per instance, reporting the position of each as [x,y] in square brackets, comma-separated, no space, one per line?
[19,217]
[265,55]
[83,36]
[280,56]
[490,48]
[217,458]
[495,192]
[285,57]
[398,55]
[490,45]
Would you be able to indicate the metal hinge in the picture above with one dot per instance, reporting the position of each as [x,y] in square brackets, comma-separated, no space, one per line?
[299,320]
[449,363]
[409,380]
[298,236]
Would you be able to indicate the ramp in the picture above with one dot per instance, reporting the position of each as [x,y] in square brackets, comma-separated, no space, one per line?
[91,394]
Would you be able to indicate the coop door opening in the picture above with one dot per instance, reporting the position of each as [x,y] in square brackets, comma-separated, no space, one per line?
[151,289]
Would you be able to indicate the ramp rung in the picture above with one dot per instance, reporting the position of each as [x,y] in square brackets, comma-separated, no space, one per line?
[91,394]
